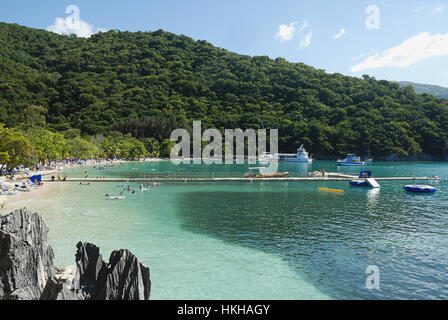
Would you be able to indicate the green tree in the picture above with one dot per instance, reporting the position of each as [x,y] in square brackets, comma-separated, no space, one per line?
[47,146]
[152,146]
[81,149]
[15,148]
[165,147]
[34,116]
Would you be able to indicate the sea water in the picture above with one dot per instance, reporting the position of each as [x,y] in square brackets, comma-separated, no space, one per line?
[262,240]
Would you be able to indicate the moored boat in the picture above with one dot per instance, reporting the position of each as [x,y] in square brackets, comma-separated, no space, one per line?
[351,160]
[301,156]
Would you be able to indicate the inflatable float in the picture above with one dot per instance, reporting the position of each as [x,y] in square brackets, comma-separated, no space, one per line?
[420,188]
[359,183]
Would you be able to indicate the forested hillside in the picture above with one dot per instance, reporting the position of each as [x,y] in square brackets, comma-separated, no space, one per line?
[436,91]
[148,83]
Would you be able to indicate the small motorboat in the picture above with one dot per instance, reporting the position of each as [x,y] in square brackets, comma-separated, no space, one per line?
[420,188]
[351,160]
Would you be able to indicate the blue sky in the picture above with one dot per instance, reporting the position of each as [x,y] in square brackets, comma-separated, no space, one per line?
[408,40]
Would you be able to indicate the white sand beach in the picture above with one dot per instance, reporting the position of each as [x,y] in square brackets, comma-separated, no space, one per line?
[14,202]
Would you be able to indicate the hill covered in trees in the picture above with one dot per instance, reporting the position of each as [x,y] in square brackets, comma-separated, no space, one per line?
[145,84]
[420,88]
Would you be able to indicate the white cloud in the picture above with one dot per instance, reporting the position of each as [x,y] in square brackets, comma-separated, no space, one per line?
[304,26]
[73,24]
[439,9]
[339,34]
[410,51]
[285,32]
[307,40]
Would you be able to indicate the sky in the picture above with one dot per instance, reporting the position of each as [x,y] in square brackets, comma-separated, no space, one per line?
[397,40]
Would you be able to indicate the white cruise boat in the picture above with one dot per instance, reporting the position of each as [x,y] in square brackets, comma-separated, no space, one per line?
[267,157]
[301,156]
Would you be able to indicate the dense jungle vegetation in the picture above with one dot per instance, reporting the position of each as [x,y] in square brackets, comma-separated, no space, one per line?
[122,93]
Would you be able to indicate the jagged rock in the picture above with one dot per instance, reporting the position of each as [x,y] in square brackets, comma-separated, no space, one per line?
[123,278]
[57,289]
[61,286]
[26,257]
[89,264]
[27,271]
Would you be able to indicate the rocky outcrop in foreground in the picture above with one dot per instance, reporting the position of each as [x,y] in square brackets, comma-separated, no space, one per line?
[27,271]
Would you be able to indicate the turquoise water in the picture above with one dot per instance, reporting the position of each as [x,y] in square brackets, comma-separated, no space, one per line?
[263,240]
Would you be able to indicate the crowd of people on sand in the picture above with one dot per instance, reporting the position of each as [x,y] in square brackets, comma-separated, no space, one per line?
[17,179]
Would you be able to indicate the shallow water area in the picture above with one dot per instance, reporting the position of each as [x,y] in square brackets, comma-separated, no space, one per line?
[260,240]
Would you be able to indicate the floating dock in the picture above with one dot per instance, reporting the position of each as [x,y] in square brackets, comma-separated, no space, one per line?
[328,177]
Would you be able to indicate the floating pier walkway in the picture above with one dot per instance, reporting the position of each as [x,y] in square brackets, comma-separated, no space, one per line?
[329,176]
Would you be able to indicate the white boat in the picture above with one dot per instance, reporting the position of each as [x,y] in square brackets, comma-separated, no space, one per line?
[300,156]
[266,157]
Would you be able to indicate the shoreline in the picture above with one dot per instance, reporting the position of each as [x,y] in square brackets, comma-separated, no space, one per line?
[10,201]
[7,200]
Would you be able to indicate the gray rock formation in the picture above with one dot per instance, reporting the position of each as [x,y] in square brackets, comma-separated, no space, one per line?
[26,257]
[123,278]
[27,271]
